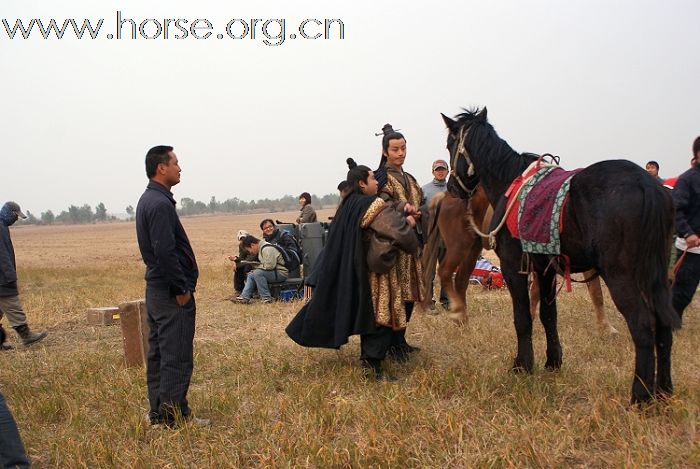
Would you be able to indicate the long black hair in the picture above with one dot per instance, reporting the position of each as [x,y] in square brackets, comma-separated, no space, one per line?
[389,134]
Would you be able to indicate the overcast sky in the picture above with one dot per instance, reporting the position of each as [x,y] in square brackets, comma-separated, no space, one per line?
[587,80]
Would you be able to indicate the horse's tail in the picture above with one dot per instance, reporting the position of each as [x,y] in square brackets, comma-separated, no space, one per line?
[655,236]
[432,246]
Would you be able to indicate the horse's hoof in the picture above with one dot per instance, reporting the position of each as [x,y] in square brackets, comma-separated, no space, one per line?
[459,318]
[521,368]
[553,366]
[642,399]
[607,329]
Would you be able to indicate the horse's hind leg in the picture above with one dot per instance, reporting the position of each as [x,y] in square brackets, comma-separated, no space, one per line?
[548,317]
[628,300]
[534,295]
[664,342]
[596,293]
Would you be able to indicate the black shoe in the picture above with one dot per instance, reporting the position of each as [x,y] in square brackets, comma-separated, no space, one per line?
[411,348]
[372,370]
[29,337]
[398,353]
[3,338]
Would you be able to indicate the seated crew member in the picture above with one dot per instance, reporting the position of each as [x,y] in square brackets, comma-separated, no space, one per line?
[270,269]
[244,262]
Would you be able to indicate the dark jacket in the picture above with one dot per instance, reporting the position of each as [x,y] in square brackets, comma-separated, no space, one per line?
[341,304]
[686,199]
[8,266]
[164,246]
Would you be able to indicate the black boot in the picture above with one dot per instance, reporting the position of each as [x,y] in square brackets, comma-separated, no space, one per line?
[29,337]
[372,368]
[3,338]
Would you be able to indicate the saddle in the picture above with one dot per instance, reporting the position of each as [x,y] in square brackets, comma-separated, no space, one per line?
[537,217]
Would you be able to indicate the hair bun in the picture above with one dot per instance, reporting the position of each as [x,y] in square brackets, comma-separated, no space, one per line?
[351,163]
[387,129]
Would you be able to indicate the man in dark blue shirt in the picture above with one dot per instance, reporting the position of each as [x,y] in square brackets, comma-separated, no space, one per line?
[10,304]
[171,279]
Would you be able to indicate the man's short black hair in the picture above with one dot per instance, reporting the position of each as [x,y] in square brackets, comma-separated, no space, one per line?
[654,164]
[266,221]
[696,147]
[343,185]
[155,156]
[248,241]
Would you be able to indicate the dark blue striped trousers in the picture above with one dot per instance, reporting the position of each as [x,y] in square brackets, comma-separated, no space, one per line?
[170,355]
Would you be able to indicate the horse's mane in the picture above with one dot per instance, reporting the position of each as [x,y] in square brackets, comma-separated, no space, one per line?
[484,143]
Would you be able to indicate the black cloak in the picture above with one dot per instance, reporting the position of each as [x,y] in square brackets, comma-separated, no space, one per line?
[341,304]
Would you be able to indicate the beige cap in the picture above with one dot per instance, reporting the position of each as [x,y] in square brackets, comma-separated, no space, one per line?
[440,164]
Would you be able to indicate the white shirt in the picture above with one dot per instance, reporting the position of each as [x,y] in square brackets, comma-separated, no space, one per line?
[682,245]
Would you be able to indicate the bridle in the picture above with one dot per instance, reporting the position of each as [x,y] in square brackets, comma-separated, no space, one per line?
[461,151]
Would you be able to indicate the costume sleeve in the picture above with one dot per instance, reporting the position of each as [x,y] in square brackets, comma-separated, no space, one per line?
[160,229]
[389,223]
[682,203]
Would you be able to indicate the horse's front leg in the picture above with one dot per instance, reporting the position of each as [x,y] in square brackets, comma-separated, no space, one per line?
[548,316]
[517,286]
[458,307]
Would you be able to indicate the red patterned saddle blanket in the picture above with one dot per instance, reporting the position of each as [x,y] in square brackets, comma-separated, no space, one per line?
[536,217]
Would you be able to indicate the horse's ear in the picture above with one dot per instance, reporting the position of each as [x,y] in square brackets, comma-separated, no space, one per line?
[482,114]
[448,122]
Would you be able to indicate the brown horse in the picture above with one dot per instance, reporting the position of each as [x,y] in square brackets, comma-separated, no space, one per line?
[449,225]
[454,231]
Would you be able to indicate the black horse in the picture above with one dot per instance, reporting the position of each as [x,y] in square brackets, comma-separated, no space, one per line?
[618,221]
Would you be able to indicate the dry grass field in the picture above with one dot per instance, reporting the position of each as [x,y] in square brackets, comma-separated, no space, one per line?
[275,404]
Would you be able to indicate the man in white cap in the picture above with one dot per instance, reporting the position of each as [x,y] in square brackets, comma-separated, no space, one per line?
[439,182]
[437,185]
[10,305]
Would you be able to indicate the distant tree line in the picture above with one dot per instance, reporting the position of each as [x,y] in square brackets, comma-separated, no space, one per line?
[73,216]
[288,202]
[82,215]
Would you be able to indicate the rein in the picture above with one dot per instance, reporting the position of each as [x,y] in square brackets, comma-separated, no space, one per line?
[491,236]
